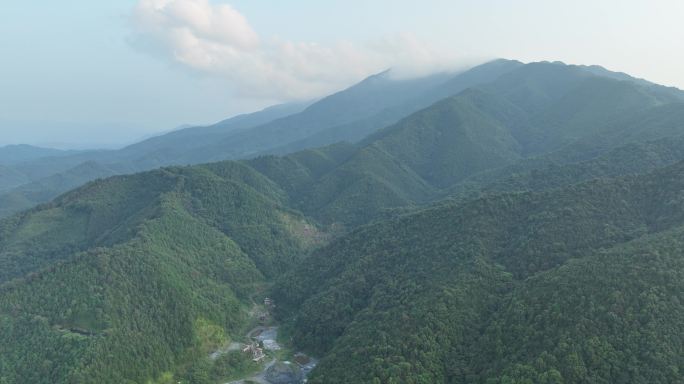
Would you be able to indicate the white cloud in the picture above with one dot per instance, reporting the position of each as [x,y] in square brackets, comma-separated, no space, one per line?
[216,39]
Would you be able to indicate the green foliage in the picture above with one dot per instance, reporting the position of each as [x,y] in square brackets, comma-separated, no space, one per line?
[525,277]
[544,173]
[232,365]
[580,284]
[168,277]
[32,193]
[11,177]
[348,115]
[557,114]
[616,318]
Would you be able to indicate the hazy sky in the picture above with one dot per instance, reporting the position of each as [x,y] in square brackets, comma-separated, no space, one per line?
[77,73]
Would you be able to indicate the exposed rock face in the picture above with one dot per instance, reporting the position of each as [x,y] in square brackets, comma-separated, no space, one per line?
[284,373]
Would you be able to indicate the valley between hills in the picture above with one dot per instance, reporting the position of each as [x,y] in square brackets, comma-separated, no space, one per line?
[511,223]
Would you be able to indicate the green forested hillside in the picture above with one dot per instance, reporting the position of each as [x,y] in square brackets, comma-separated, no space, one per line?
[497,290]
[537,116]
[118,281]
[546,172]
[28,195]
[555,258]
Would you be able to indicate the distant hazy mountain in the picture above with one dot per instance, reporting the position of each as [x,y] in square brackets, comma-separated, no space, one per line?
[349,115]
[175,147]
[27,195]
[13,154]
[545,107]
[32,173]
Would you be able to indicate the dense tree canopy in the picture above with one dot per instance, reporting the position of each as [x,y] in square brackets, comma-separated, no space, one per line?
[556,257]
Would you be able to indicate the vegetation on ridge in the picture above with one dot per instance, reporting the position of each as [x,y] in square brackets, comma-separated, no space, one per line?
[556,260]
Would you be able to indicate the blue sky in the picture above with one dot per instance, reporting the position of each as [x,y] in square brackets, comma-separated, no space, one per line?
[80,73]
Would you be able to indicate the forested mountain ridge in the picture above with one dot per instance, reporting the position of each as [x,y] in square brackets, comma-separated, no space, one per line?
[11,156]
[349,115]
[118,281]
[468,293]
[547,172]
[550,111]
[27,195]
[487,130]
[136,277]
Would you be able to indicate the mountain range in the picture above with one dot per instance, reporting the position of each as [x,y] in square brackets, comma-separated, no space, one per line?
[513,223]
[348,115]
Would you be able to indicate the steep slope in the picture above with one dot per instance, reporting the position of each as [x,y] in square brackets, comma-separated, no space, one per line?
[132,311]
[135,277]
[530,118]
[644,124]
[543,106]
[563,103]
[407,300]
[453,138]
[405,100]
[217,230]
[349,115]
[585,111]
[660,89]
[124,278]
[543,173]
[407,163]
